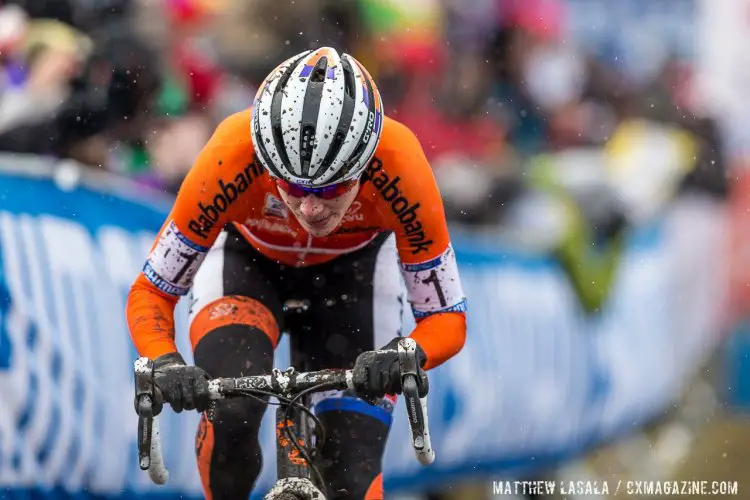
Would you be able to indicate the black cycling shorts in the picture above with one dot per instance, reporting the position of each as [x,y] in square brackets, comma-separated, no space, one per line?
[351,304]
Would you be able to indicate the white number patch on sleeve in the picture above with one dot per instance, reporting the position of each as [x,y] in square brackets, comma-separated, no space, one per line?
[434,286]
[172,264]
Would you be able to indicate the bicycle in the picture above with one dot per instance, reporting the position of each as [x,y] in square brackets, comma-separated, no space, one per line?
[297,476]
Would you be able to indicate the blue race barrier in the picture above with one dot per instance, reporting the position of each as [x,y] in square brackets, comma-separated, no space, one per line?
[537,381]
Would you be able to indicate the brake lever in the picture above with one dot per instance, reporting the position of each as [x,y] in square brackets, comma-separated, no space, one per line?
[143,369]
[149,446]
[415,387]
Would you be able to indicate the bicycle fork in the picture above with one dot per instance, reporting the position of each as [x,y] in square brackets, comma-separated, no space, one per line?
[292,469]
[289,461]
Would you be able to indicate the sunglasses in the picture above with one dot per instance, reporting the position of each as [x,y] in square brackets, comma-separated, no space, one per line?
[326,192]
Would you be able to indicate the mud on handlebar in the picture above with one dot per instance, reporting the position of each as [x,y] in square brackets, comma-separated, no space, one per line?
[285,384]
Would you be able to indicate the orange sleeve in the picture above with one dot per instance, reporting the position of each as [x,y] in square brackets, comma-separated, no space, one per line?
[410,200]
[211,195]
[441,336]
[150,316]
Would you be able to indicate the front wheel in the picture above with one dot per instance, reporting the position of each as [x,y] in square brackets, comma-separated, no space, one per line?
[294,488]
[287,496]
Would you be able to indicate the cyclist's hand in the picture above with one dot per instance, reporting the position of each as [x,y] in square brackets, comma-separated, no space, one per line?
[377,373]
[182,386]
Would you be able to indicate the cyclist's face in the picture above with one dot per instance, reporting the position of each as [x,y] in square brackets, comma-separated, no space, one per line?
[319,216]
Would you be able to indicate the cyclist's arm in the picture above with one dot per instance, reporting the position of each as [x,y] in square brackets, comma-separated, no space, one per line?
[210,196]
[428,264]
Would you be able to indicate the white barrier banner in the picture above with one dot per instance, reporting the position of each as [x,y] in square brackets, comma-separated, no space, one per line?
[536,382]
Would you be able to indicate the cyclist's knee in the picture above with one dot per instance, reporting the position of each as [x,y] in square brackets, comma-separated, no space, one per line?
[348,406]
[356,434]
[234,336]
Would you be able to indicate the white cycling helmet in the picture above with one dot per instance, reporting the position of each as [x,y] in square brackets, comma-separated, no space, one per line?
[317,119]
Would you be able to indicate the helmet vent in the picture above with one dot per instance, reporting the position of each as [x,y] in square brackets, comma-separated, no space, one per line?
[338,141]
[307,139]
[319,73]
[278,136]
[348,79]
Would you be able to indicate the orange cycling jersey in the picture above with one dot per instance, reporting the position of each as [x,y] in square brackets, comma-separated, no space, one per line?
[228,186]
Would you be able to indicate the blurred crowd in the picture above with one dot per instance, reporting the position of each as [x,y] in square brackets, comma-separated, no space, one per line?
[514,115]
[536,140]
